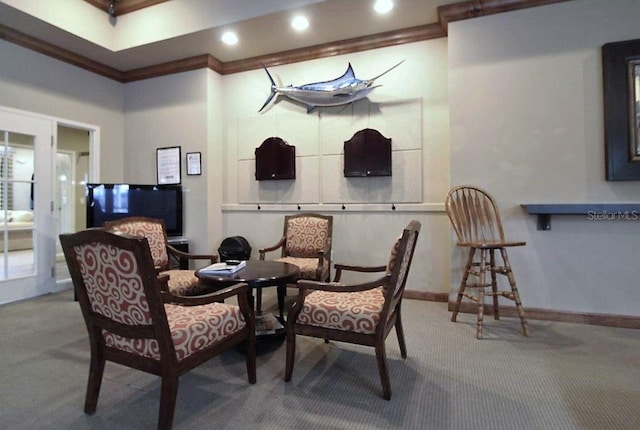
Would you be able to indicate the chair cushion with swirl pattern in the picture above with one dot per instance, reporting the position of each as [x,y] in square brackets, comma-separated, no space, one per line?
[193,328]
[358,311]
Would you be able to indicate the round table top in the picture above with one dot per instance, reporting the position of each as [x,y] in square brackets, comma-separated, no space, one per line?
[256,273]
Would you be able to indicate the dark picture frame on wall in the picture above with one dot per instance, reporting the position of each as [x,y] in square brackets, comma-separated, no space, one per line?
[168,167]
[621,90]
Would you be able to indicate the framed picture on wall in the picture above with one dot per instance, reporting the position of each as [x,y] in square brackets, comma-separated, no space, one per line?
[621,85]
[168,165]
[194,163]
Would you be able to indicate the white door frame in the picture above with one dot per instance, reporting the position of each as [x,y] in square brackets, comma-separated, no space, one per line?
[44,128]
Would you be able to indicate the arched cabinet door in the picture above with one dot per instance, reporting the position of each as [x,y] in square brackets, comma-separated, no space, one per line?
[367,153]
[275,159]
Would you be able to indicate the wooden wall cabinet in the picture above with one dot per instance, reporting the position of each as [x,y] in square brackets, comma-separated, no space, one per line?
[275,159]
[367,153]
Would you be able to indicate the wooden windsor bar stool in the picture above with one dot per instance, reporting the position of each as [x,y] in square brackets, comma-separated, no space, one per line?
[476,220]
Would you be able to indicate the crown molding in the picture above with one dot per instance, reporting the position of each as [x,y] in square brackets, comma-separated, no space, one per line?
[476,8]
[446,14]
[408,35]
[54,51]
[178,66]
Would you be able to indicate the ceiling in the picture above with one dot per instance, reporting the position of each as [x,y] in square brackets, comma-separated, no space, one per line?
[155,32]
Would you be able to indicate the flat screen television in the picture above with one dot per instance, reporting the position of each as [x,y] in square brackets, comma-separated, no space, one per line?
[108,202]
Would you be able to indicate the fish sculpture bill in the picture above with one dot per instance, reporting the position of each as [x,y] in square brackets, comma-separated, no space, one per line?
[343,90]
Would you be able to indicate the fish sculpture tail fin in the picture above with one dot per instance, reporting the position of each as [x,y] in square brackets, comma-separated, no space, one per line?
[273,89]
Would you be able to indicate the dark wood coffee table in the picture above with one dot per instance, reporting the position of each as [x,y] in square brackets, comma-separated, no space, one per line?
[257,275]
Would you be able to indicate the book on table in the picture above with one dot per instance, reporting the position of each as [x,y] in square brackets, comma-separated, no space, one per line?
[223,268]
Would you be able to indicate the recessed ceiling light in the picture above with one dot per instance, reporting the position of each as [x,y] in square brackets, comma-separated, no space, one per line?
[230,38]
[300,23]
[383,6]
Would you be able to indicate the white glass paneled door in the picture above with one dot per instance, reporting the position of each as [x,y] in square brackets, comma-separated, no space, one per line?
[27,253]
[16,205]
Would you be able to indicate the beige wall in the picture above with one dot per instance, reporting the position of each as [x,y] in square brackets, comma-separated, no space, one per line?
[174,111]
[202,111]
[527,124]
[511,102]
[36,83]
[410,107]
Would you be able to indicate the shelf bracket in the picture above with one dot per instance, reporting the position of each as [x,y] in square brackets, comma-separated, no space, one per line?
[544,222]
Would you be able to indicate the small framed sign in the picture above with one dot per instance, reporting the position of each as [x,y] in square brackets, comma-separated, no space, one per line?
[168,165]
[194,163]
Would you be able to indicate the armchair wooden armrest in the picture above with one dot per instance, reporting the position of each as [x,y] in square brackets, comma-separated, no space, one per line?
[362,269]
[335,287]
[263,251]
[163,280]
[239,289]
[181,254]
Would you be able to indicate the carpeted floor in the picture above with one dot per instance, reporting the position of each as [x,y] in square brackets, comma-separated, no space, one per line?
[565,376]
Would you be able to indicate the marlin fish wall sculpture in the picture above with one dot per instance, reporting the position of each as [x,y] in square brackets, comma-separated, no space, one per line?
[343,90]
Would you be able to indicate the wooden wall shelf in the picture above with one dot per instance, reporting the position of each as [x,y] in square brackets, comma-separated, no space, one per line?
[597,210]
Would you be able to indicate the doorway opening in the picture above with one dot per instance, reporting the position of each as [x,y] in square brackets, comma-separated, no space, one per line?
[44,164]
[73,162]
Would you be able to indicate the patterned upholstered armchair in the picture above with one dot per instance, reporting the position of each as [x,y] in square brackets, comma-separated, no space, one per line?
[305,242]
[133,322]
[181,282]
[361,313]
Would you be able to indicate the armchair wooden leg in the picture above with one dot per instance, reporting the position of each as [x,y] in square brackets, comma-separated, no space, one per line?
[168,395]
[96,370]
[250,352]
[400,333]
[290,355]
[382,369]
